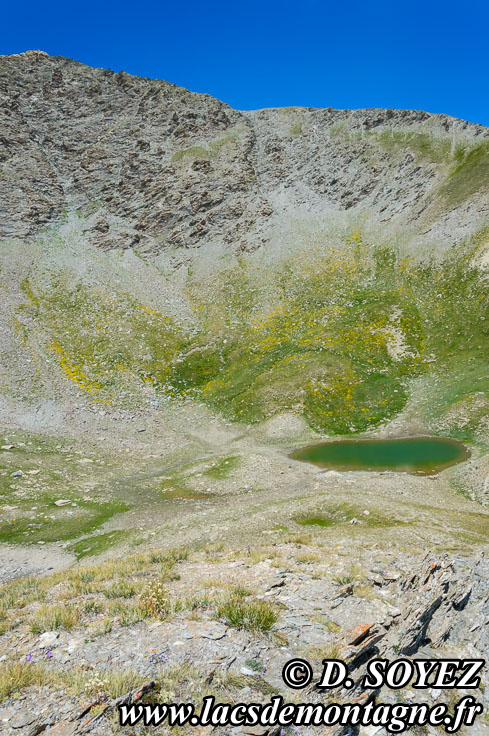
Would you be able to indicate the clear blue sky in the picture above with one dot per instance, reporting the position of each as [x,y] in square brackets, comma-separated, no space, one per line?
[423,54]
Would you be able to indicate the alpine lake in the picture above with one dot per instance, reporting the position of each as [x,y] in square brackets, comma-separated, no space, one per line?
[417,455]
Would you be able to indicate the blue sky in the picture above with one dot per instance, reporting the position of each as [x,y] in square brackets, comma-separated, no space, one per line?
[427,55]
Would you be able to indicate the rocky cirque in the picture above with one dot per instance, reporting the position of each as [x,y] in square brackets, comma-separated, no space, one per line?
[187,293]
[159,166]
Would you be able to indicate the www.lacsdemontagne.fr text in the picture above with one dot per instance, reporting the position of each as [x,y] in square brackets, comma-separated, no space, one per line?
[396,718]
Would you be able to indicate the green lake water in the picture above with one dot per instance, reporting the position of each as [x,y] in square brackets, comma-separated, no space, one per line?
[419,455]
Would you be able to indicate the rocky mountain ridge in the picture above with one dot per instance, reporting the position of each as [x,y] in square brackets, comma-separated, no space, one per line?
[153,166]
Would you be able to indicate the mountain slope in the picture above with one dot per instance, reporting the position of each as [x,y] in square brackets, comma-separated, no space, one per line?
[187,293]
[156,166]
[161,249]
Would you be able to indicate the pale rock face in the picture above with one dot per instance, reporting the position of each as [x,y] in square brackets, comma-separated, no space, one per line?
[48,639]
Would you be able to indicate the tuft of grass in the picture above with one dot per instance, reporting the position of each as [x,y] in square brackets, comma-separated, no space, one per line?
[345,578]
[198,602]
[300,540]
[365,591]
[307,558]
[258,554]
[255,615]
[176,555]
[128,612]
[93,607]
[227,683]
[121,589]
[119,683]
[328,651]
[212,583]
[16,676]
[51,618]
[240,591]
[356,574]
[81,587]
[101,628]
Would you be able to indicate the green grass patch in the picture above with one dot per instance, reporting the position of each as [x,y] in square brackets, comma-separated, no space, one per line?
[56,525]
[425,146]
[296,130]
[342,514]
[470,175]
[223,467]
[96,544]
[191,154]
[179,486]
[317,520]
[200,152]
